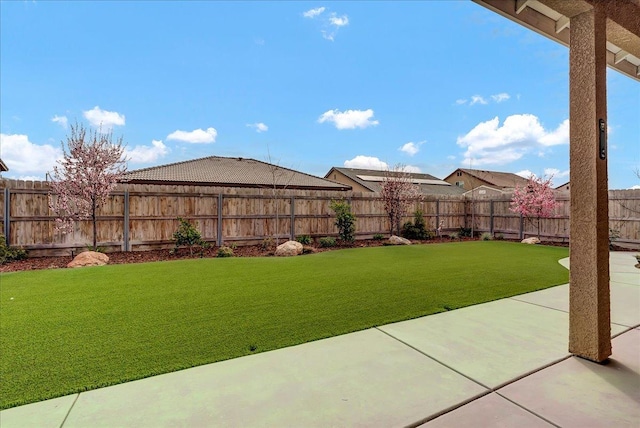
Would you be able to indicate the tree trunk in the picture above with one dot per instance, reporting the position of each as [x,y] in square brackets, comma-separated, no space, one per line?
[95,228]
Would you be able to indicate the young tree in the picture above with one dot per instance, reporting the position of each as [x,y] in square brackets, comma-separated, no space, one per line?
[280,180]
[536,200]
[89,170]
[398,192]
[345,220]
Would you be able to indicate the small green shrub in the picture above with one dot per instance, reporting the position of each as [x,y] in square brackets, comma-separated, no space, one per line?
[327,241]
[345,220]
[225,252]
[499,237]
[9,254]
[267,244]
[187,236]
[417,229]
[486,236]
[454,235]
[304,239]
[465,232]
[378,237]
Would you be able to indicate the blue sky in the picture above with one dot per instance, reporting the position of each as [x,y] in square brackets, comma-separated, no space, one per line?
[431,85]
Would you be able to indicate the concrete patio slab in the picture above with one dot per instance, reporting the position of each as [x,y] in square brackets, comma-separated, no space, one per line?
[580,393]
[492,343]
[44,414]
[619,262]
[626,278]
[489,411]
[359,379]
[625,301]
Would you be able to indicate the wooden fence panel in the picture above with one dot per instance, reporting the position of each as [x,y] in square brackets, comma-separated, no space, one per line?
[249,215]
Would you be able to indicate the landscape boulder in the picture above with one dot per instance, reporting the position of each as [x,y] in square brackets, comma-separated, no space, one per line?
[289,248]
[397,240]
[532,240]
[89,258]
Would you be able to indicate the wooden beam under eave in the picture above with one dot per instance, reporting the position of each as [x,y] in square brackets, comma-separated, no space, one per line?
[623,38]
[521,5]
[620,56]
[562,23]
[568,8]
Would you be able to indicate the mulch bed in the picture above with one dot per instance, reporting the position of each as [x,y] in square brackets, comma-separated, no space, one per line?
[35,263]
[117,258]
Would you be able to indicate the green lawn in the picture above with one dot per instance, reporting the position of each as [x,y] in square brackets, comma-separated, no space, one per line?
[64,331]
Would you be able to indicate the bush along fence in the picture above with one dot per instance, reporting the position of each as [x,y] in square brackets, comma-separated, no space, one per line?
[142,217]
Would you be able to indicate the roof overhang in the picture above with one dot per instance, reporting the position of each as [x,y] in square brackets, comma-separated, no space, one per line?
[552,18]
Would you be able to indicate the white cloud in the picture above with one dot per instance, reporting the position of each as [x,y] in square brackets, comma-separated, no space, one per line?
[330,24]
[147,154]
[490,143]
[61,120]
[349,119]
[635,187]
[312,13]
[555,173]
[451,157]
[258,126]
[196,136]
[26,159]
[104,119]
[338,21]
[366,162]
[411,148]
[525,173]
[503,96]
[477,99]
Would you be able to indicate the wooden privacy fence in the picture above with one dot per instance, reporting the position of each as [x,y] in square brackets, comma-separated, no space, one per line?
[140,217]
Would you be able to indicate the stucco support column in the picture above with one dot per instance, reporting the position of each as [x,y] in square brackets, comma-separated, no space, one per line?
[589,306]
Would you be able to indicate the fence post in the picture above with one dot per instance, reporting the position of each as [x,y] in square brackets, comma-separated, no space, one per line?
[521,227]
[438,215]
[7,214]
[219,231]
[126,245]
[491,216]
[293,218]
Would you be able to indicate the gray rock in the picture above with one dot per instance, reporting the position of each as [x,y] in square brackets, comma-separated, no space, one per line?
[532,240]
[289,248]
[397,240]
[89,258]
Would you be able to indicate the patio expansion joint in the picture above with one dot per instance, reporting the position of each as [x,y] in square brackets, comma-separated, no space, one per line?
[69,411]
[488,389]
[539,305]
[436,360]
[624,331]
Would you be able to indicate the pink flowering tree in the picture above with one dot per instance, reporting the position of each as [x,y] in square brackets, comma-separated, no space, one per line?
[87,173]
[534,201]
[398,193]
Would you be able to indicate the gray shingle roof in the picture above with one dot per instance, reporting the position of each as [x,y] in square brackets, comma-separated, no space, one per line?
[496,178]
[356,175]
[230,172]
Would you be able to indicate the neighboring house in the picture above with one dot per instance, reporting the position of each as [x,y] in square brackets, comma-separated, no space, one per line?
[3,166]
[468,179]
[563,187]
[484,191]
[230,172]
[370,180]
